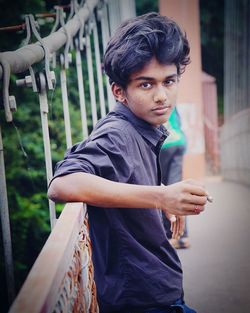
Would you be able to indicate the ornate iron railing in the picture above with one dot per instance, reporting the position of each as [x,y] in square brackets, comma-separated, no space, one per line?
[61,279]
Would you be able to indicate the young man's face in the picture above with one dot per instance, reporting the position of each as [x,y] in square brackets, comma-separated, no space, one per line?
[151,93]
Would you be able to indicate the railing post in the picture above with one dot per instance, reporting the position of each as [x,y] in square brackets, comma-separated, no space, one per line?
[63,79]
[84,119]
[103,15]
[6,234]
[9,107]
[91,75]
[44,110]
[99,68]
[40,85]
[120,10]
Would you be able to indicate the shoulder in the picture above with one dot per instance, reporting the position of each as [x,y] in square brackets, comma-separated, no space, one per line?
[112,127]
[110,133]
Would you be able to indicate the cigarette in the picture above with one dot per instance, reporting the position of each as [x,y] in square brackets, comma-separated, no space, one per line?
[209,199]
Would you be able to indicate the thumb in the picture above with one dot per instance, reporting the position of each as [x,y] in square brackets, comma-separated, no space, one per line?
[171,217]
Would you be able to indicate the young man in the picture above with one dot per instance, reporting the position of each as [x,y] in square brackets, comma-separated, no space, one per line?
[116,172]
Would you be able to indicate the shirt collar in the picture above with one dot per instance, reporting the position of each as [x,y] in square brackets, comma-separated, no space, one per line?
[154,135]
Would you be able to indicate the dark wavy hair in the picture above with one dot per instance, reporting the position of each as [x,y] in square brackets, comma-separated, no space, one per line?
[138,40]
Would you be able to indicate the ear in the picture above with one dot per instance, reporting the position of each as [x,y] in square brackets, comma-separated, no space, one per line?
[118,93]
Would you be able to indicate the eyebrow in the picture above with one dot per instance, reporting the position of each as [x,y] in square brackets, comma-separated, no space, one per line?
[147,78]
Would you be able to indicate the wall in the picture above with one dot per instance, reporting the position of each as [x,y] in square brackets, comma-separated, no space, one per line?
[186,14]
[235,133]
[235,148]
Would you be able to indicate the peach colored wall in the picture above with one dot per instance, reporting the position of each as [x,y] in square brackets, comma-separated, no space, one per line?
[186,14]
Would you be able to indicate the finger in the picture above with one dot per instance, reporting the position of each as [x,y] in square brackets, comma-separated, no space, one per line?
[169,216]
[195,207]
[190,209]
[173,218]
[182,225]
[191,213]
[176,234]
[196,189]
[194,199]
[173,230]
[198,209]
[179,231]
[172,226]
[179,226]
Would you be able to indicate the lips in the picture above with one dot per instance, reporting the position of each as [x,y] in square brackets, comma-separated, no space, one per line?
[162,110]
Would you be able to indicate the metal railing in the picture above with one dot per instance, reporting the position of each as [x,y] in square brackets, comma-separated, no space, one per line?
[61,279]
[66,284]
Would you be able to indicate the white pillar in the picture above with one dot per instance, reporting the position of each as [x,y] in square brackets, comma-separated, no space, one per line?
[120,10]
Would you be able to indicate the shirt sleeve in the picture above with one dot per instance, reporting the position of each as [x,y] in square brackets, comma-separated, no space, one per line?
[105,155]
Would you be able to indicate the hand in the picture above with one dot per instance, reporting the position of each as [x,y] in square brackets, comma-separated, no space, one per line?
[187,197]
[177,225]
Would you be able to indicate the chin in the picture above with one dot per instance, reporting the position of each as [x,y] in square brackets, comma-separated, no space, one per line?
[163,120]
[159,120]
[159,123]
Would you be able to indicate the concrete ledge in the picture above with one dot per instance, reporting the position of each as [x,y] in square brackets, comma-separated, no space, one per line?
[235,148]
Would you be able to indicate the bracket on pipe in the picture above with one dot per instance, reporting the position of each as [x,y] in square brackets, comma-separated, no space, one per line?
[68,43]
[46,51]
[99,12]
[74,7]
[26,42]
[9,102]
[32,79]
[57,21]
[90,25]
[81,39]
[85,27]
[28,81]
[100,6]
[60,22]
[54,28]
[28,30]
[80,42]
[42,81]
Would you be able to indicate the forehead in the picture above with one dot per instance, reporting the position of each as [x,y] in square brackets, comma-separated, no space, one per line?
[155,70]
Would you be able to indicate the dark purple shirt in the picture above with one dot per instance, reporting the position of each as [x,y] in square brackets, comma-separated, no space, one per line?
[135,266]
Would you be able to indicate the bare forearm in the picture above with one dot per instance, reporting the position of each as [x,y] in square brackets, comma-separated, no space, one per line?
[181,198]
[94,190]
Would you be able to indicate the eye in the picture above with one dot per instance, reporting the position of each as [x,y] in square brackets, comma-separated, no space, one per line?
[169,82]
[145,85]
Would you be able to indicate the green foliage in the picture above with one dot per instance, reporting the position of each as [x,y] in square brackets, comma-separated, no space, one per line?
[26,183]
[212,40]
[12,13]
[145,6]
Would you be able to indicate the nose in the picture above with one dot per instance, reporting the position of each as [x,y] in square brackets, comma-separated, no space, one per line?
[160,95]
